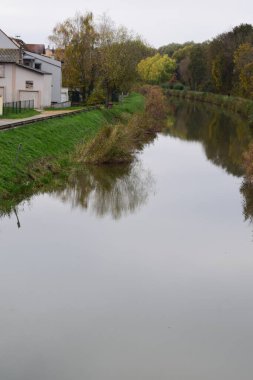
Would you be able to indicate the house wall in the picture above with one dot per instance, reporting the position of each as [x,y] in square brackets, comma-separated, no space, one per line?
[7,84]
[47,92]
[41,84]
[1,105]
[13,86]
[50,65]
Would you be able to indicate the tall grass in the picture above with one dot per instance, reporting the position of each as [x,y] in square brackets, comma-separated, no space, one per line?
[117,143]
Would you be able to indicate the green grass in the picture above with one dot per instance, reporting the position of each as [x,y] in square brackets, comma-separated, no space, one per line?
[74,108]
[21,115]
[30,156]
[118,143]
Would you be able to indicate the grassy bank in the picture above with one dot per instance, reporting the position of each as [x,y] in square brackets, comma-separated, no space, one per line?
[240,105]
[31,156]
[118,143]
[19,115]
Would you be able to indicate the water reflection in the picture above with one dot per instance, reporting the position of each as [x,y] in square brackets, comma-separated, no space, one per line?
[247,192]
[224,136]
[109,190]
[17,217]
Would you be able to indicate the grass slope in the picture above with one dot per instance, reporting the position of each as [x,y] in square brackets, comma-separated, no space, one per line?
[20,115]
[31,155]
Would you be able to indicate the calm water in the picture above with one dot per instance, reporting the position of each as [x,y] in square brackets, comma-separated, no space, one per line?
[142,272]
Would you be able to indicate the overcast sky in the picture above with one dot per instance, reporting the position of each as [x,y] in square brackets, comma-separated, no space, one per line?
[158,21]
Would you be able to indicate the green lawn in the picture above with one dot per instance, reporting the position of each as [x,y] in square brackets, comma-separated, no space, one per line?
[74,108]
[54,141]
[21,115]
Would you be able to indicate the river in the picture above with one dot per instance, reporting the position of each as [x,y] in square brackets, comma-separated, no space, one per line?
[136,272]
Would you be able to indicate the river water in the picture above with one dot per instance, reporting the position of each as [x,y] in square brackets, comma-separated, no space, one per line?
[140,272]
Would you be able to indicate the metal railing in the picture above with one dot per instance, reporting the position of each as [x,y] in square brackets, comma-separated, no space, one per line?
[17,107]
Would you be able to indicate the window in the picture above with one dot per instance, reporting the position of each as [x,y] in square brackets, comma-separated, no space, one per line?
[27,62]
[38,66]
[29,84]
[1,71]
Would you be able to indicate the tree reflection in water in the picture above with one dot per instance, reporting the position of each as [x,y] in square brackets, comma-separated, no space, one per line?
[109,190]
[225,136]
[247,192]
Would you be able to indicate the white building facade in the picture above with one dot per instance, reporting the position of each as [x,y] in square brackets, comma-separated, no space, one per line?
[28,76]
[18,82]
[48,65]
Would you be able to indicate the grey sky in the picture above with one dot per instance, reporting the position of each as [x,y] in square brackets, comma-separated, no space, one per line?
[158,21]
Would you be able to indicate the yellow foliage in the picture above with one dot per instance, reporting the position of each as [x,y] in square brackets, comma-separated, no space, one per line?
[156,69]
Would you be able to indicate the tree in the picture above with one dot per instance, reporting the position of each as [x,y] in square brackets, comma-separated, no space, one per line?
[98,58]
[197,66]
[243,59]
[119,53]
[172,48]
[76,40]
[221,56]
[157,69]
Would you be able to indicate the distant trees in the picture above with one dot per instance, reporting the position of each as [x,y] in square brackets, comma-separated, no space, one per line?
[243,60]
[223,65]
[172,48]
[99,59]
[157,69]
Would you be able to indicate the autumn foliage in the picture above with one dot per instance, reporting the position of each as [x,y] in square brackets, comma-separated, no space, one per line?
[157,69]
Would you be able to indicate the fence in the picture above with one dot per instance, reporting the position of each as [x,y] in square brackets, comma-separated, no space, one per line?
[17,107]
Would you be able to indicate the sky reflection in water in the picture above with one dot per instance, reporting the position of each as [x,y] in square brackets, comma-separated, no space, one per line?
[143,272]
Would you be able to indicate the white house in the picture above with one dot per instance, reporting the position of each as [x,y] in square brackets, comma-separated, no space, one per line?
[49,65]
[18,82]
[28,76]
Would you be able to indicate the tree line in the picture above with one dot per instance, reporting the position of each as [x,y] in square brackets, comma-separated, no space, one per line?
[223,65]
[101,60]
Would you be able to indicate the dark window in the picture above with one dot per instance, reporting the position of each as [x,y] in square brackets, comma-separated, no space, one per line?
[38,66]
[29,84]
[27,62]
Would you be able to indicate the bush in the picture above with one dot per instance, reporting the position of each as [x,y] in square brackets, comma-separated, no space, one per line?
[97,97]
[155,103]
[178,86]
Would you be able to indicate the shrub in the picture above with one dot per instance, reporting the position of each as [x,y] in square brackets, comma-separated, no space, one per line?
[178,86]
[118,143]
[96,97]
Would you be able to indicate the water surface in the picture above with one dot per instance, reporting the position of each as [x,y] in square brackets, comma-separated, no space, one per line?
[140,272]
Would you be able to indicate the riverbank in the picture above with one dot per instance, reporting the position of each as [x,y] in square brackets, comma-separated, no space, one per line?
[20,115]
[239,105]
[34,155]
